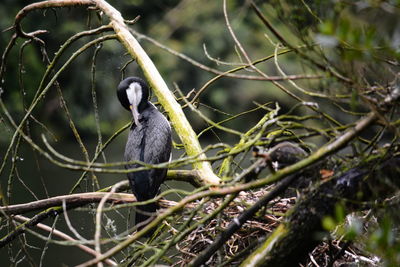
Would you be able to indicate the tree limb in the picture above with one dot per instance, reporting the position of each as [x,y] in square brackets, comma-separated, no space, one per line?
[75,199]
[189,176]
[164,95]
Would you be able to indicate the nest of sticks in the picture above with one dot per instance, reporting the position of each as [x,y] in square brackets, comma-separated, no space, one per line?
[255,231]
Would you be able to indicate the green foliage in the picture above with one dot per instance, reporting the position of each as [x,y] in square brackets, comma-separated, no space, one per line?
[384,241]
[330,223]
[356,35]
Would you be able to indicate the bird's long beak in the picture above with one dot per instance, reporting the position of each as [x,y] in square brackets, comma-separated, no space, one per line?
[135,114]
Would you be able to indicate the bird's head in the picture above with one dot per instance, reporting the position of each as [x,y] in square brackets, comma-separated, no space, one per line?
[133,93]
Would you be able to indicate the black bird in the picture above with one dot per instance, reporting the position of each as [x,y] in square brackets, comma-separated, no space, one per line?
[149,141]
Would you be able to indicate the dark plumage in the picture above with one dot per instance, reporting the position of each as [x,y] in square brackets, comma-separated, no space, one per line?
[149,141]
[286,153]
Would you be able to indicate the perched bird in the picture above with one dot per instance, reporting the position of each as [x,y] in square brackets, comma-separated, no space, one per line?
[282,154]
[149,141]
[286,153]
[275,158]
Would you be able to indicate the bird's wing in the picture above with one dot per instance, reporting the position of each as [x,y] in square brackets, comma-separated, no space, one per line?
[157,149]
[150,143]
[157,140]
[134,150]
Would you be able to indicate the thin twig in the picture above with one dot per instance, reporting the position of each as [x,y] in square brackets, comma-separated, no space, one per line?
[63,236]
[97,234]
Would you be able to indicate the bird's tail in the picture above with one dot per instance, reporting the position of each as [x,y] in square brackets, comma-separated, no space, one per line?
[144,213]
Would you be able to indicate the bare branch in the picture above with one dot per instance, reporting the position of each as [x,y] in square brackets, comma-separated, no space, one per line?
[81,199]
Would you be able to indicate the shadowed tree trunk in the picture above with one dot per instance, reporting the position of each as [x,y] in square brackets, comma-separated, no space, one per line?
[302,231]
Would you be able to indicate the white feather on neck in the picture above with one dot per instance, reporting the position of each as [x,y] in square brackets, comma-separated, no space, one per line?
[134,93]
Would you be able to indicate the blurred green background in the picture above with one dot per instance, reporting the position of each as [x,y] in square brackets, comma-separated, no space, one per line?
[188,27]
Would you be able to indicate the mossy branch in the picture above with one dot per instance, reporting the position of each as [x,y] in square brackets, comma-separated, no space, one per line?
[160,88]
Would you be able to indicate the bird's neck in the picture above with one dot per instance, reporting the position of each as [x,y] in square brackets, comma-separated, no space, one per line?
[143,106]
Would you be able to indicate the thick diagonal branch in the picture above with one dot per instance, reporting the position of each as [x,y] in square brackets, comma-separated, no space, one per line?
[160,88]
